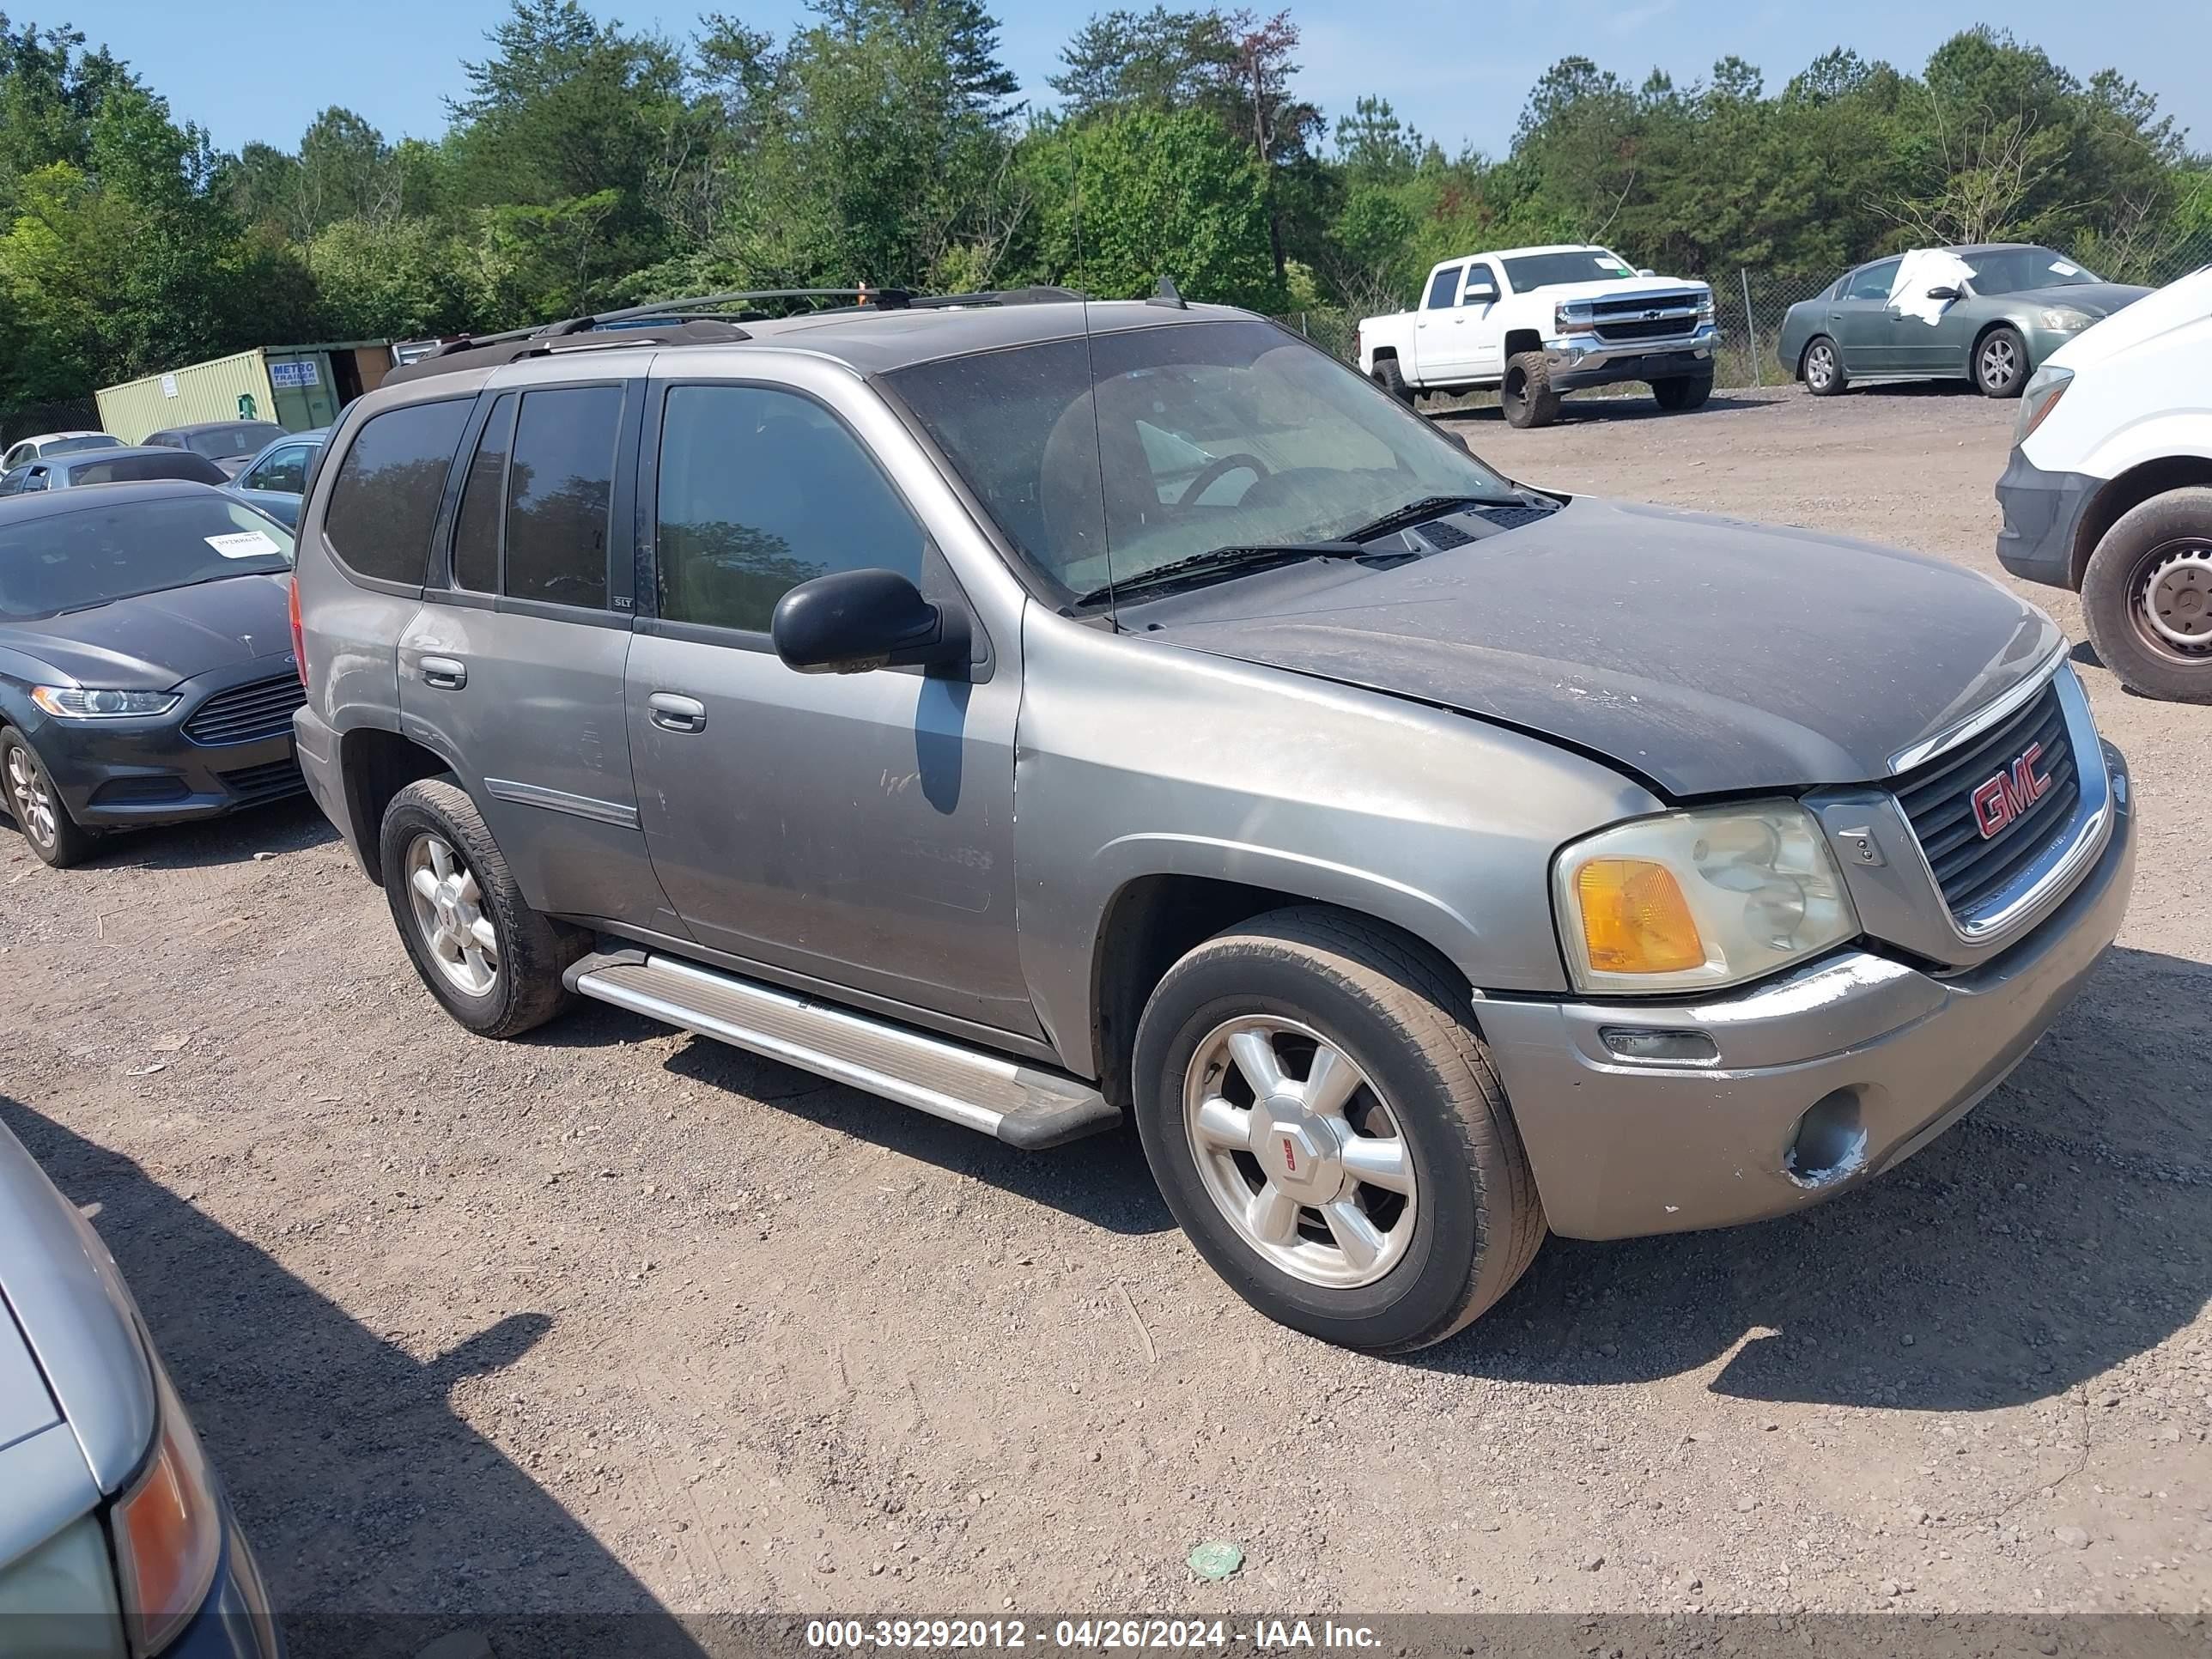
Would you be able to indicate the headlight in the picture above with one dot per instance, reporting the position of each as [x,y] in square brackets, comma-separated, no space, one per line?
[1573,317]
[2044,390]
[168,1531]
[82,702]
[1691,901]
[1706,307]
[2064,318]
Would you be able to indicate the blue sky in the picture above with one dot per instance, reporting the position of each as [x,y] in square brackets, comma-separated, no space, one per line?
[1458,69]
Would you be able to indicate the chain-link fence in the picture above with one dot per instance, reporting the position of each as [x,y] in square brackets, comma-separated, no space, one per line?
[32,419]
[1749,306]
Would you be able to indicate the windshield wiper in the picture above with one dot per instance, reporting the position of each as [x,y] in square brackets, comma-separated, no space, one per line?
[1222,561]
[1421,512]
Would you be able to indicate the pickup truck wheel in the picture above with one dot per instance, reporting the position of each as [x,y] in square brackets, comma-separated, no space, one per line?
[493,962]
[37,807]
[1326,1126]
[1824,368]
[1689,392]
[2147,597]
[1527,396]
[1388,377]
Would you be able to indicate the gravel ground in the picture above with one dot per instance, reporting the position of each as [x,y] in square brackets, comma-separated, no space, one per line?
[610,1318]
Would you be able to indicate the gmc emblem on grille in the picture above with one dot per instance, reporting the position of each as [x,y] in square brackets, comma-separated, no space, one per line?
[2002,799]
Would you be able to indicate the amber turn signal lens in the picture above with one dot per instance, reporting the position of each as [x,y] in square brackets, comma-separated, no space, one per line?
[1635,920]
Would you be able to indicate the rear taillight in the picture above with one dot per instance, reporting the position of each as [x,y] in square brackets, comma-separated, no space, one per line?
[299,638]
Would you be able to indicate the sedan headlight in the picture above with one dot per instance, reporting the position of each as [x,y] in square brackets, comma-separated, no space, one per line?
[2064,318]
[1693,900]
[167,1532]
[85,702]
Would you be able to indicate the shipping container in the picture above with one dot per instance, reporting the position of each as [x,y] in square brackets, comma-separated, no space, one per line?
[299,388]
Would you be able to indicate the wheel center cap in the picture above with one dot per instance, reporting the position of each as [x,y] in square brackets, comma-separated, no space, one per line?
[1298,1151]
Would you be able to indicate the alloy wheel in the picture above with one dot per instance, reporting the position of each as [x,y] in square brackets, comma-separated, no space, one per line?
[1820,368]
[449,910]
[2000,360]
[30,798]
[1300,1151]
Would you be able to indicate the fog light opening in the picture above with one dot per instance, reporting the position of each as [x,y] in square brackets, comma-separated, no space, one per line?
[1674,1047]
[1829,1145]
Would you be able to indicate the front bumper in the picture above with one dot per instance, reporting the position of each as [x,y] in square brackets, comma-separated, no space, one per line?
[1890,1056]
[2043,513]
[118,774]
[1583,360]
[234,1622]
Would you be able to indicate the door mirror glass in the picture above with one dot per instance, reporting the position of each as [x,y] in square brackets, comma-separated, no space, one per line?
[857,620]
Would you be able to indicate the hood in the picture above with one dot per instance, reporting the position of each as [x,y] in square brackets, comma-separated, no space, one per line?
[1704,655]
[155,640]
[2098,299]
[2179,305]
[1617,287]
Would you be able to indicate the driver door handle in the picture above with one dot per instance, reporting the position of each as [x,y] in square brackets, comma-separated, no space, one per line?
[671,713]
[446,673]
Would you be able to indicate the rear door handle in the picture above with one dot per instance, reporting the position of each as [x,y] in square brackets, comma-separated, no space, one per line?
[671,713]
[446,673]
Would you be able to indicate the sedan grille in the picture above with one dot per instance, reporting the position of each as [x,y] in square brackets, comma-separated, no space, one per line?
[282,777]
[1938,797]
[247,713]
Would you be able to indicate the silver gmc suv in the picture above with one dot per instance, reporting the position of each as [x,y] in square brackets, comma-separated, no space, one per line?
[1037,713]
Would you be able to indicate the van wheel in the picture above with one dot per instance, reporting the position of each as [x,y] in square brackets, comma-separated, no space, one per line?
[1388,376]
[493,962]
[1326,1126]
[1823,369]
[1689,392]
[37,807]
[1527,396]
[2001,362]
[2147,597]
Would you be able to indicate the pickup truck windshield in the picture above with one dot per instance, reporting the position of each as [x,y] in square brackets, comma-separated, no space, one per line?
[1533,271]
[1195,436]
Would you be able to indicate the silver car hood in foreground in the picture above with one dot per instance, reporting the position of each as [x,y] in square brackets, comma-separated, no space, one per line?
[1704,655]
[77,1389]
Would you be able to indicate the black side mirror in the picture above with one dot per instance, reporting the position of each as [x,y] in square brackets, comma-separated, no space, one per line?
[859,620]
[1946,292]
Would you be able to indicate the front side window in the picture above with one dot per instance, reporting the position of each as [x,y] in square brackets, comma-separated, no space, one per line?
[385,500]
[1872,283]
[560,495]
[88,556]
[1443,287]
[1194,437]
[1481,286]
[284,472]
[760,490]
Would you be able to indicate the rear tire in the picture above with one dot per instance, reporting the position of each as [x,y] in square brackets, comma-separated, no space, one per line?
[2147,597]
[1527,396]
[1690,392]
[1417,1142]
[1822,368]
[493,962]
[29,793]
[2001,362]
[1393,380]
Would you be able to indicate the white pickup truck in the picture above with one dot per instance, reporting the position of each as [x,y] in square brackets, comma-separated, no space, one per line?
[1536,322]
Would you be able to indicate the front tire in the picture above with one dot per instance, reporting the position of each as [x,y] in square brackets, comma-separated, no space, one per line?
[1823,369]
[37,807]
[1526,395]
[2001,362]
[493,962]
[1326,1126]
[2147,597]
[1392,380]
[1690,392]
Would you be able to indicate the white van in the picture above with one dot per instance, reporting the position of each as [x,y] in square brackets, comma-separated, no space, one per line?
[2110,487]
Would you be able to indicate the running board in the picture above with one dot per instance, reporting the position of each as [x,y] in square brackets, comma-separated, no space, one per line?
[1025,1106]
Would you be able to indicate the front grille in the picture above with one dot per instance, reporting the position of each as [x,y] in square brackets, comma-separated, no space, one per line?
[275,778]
[247,713]
[1635,304]
[1938,800]
[1639,329]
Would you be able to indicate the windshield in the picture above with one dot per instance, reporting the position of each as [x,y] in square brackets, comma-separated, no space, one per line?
[1201,435]
[73,560]
[218,442]
[2015,269]
[1595,265]
[74,445]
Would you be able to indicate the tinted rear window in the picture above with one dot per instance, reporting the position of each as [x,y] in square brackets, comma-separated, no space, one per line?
[73,561]
[131,469]
[385,499]
[245,439]
[76,445]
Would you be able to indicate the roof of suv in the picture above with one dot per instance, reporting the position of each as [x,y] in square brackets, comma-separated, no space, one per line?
[870,340]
